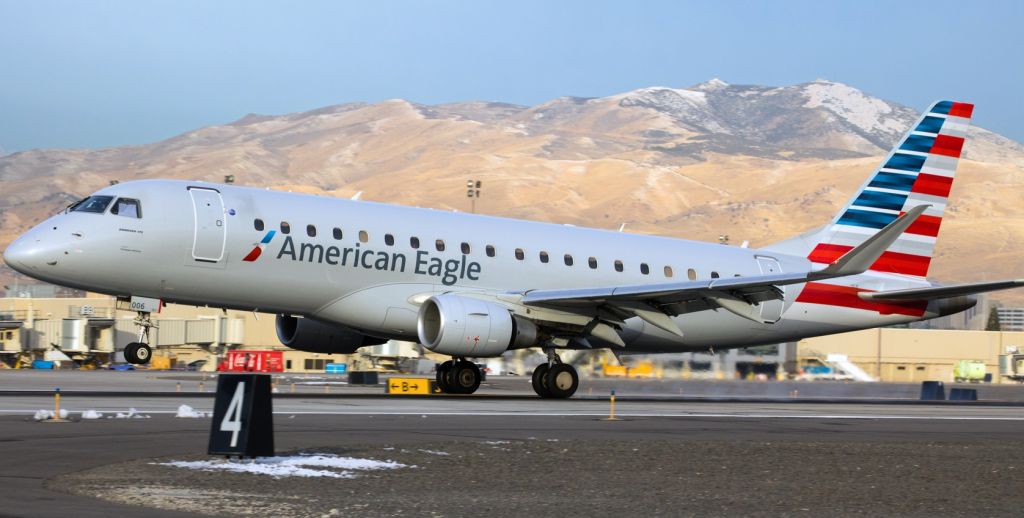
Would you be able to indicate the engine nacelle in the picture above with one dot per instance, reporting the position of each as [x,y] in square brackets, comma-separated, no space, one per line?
[464,326]
[305,334]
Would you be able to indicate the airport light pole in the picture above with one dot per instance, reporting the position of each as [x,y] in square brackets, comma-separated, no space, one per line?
[472,192]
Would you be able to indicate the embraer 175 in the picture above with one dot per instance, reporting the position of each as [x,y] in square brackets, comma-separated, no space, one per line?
[343,274]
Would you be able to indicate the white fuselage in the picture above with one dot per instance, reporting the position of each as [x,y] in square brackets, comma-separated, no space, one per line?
[189,247]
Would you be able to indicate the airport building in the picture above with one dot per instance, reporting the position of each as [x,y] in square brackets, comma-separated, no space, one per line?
[914,355]
[1011,319]
[91,332]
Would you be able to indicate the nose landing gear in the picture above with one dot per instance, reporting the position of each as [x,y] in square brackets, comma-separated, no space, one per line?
[139,353]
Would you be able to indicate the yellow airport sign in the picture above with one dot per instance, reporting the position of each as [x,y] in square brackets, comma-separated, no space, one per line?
[410,386]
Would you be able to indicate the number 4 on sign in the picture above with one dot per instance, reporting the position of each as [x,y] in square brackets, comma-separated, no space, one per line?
[232,421]
[243,417]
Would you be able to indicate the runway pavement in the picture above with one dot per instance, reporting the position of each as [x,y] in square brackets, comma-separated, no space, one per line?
[962,453]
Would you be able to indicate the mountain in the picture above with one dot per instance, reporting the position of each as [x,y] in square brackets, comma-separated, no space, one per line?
[757,163]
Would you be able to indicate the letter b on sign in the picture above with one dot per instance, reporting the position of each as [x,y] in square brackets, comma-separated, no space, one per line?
[242,417]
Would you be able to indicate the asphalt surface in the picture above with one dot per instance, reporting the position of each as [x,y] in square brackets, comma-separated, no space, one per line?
[168,382]
[512,455]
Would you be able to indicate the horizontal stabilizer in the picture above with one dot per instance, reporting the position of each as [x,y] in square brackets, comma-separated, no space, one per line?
[941,292]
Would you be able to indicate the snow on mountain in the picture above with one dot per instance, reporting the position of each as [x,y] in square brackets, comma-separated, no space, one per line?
[870,114]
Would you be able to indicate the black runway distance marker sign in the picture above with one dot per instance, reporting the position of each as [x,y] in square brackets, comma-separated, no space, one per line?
[242,417]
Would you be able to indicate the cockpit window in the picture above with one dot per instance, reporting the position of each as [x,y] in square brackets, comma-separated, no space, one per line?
[127,207]
[96,204]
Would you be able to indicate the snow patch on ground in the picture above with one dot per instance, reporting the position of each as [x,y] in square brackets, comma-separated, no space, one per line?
[42,415]
[186,411]
[132,414]
[291,466]
[853,106]
[435,452]
[92,414]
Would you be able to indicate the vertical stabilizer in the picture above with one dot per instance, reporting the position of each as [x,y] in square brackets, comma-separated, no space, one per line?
[918,171]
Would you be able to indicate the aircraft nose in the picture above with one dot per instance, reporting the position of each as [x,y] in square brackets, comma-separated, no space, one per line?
[16,253]
[26,253]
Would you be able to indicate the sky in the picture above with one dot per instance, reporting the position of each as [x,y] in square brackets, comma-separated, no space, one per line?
[88,74]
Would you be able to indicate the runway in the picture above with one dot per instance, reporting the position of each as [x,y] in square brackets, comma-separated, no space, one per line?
[41,460]
[508,452]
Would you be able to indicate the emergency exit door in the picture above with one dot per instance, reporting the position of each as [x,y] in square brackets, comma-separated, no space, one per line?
[771,310]
[210,228]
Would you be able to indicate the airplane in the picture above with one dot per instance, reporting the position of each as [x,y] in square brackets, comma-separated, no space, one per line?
[341,274]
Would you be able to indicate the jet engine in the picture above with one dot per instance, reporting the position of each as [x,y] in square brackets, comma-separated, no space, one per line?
[305,334]
[464,326]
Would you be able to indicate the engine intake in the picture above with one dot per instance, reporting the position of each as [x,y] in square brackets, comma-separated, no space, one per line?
[305,334]
[464,326]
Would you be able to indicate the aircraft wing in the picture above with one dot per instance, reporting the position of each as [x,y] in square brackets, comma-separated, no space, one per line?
[665,293]
[655,303]
[940,292]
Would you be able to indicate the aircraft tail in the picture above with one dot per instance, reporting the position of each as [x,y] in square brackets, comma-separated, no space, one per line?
[918,171]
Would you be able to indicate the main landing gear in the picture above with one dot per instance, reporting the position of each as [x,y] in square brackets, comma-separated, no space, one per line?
[139,353]
[555,379]
[458,376]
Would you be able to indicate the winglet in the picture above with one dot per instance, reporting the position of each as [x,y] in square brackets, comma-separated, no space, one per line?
[861,258]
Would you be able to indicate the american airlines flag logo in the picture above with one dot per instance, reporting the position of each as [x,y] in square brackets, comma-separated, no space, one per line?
[919,171]
[258,248]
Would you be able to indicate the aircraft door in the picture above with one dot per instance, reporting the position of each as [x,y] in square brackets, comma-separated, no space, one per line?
[771,310]
[210,225]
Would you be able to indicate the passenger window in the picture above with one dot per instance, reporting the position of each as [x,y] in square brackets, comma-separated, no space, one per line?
[714,275]
[127,207]
[568,260]
[592,261]
[691,274]
[389,240]
[363,236]
[285,227]
[439,245]
[97,204]
[543,257]
[465,248]
[520,254]
[490,251]
[337,233]
[618,265]
[414,242]
[310,231]
[258,223]
[668,271]
[644,269]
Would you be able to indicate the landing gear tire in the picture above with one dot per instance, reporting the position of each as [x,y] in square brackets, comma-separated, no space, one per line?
[137,353]
[443,371]
[464,378]
[540,380]
[561,381]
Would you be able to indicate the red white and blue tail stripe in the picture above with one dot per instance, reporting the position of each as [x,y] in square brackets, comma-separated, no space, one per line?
[919,171]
